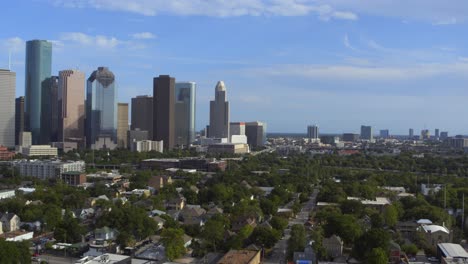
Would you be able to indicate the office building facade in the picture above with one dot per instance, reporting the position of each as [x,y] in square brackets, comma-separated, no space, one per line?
[185,94]
[313,132]
[7,108]
[425,134]
[19,118]
[436,134]
[411,133]
[142,114]
[256,134]
[71,97]
[48,169]
[237,128]
[122,124]
[37,84]
[164,110]
[384,133]
[101,110]
[443,135]
[219,113]
[136,135]
[366,133]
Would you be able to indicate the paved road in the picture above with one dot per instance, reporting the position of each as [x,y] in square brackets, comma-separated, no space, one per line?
[279,252]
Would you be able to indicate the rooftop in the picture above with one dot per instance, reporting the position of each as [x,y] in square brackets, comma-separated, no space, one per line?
[453,250]
[435,228]
[238,257]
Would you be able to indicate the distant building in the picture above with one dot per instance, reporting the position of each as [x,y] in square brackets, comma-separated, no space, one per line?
[229,148]
[436,134]
[350,137]
[164,110]
[136,135]
[101,110]
[148,145]
[73,178]
[19,118]
[443,135]
[5,154]
[45,169]
[7,107]
[142,114]
[52,110]
[71,117]
[25,139]
[313,132]
[122,124]
[458,143]
[219,113]
[256,134]
[237,128]
[37,76]
[331,140]
[366,133]
[384,133]
[425,134]
[39,150]
[411,133]
[185,113]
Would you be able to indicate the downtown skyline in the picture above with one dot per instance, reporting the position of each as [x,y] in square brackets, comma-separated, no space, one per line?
[344,72]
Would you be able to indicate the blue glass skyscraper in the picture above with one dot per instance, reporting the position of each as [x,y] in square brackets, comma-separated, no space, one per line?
[101,110]
[185,113]
[37,78]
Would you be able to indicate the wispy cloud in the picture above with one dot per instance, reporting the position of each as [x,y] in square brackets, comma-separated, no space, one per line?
[143,35]
[99,41]
[347,43]
[215,8]
[13,45]
[449,21]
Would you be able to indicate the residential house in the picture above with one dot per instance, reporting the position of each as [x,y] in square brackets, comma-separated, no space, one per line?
[159,221]
[105,233]
[158,182]
[333,246]
[435,234]
[176,204]
[192,216]
[240,222]
[214,211]
[241,257]
[10,222]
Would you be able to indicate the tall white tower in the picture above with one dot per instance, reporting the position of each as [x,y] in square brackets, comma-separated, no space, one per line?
[219,113]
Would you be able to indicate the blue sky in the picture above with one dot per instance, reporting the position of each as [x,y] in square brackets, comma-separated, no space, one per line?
[339,63]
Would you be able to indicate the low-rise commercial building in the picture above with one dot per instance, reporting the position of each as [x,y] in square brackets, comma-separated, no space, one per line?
[48,169]
[73,178]
[39,150]
[229,148]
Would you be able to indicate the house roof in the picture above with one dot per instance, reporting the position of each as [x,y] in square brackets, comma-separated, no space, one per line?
[435,228]
[8,216]
[453,250]
[238,257]
[424,222]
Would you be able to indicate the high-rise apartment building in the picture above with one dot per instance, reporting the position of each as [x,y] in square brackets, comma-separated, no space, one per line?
[313,132]
[19,118]
[164,110]
[219,113]
[366,133]
[37,83]
[411,133]
[142,114]
[122,124]
[384,133]
[7,108]
[71,97]
[256,134]
[184,113]
[101,110]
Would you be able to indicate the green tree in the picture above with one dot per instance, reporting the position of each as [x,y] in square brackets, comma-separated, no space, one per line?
[298,240]
[378,256]
[173,241]
[390,215]
[213,232]
[265,236]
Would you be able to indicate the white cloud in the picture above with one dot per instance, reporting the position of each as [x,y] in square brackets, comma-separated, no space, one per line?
[143,35]
[215,8]
[13,45]
[450,21]
[347,43]
[365,73]
[88,40]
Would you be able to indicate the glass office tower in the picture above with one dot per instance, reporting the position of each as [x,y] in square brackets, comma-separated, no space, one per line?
[101,109]
[185,113]
[37,82]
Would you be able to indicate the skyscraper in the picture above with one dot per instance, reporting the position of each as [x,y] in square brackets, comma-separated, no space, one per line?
[436,134]
[51,109]
[256,134]
[443,135]
[411,133]
[313,132]
[219,113]
[185,113]
[142,114]
[101,110]
[384,133]
[19,118]
[237,128]
[366,133]
[122,124]
[37,75]
[425,134]
[164,110]
[71,97]
[7,108]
